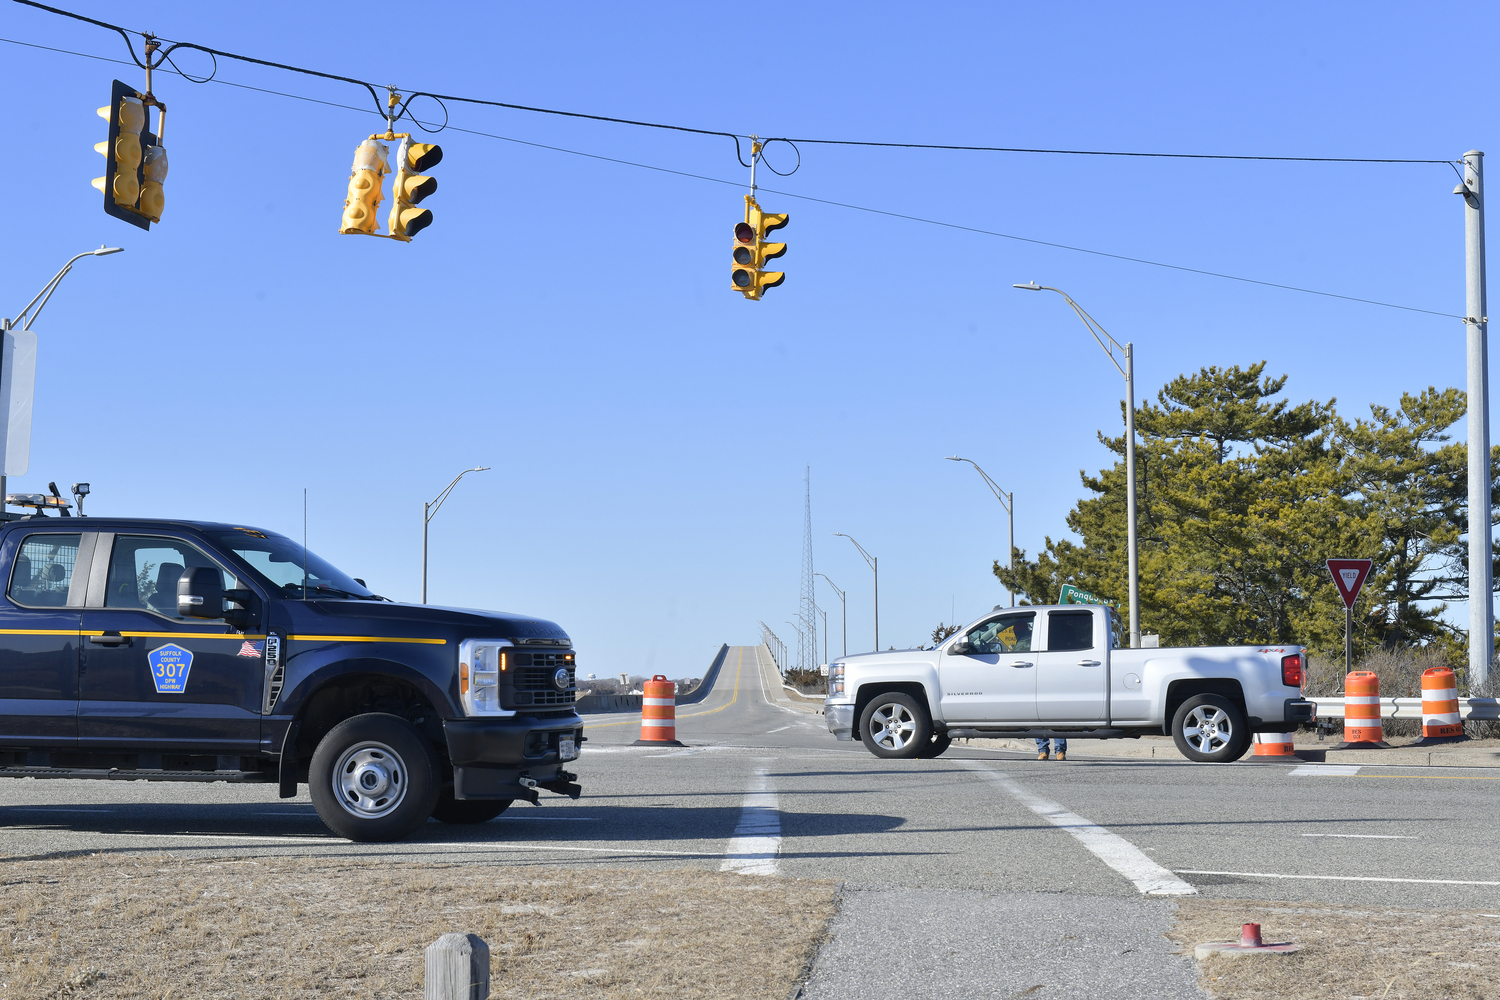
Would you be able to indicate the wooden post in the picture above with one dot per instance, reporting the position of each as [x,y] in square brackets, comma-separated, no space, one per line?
[458,968]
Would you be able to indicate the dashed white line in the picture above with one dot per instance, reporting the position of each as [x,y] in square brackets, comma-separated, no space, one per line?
[1364,836]
[1324,771]
[1117,852]
[757,838]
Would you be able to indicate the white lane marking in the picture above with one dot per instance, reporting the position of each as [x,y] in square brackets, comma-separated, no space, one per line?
[1117,852]
[1324,770]
[690,751]
[1337,878]
[1364,836]
[781,729]
[765,695]
[757,839]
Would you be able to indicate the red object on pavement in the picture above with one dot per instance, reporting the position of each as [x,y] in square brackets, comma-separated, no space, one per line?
[1250,943]
[1349,576]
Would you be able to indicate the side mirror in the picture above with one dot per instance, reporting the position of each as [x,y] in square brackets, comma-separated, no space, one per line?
[960,648]
[200,593]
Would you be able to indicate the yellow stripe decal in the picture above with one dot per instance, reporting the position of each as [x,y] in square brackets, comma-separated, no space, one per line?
[184,635]
[362,638]
[43,631]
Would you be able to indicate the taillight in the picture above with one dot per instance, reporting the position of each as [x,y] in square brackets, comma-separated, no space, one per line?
[1291,670]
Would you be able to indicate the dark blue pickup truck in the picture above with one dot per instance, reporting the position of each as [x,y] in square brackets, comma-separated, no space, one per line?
[190,651]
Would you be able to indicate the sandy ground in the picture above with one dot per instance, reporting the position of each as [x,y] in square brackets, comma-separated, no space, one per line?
[160,927]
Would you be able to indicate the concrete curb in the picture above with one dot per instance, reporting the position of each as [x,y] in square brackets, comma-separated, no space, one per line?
[1161,748]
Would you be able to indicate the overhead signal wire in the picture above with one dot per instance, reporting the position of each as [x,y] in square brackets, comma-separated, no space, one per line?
[787,194]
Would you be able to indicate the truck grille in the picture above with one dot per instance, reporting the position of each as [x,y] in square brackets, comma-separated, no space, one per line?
[533,679]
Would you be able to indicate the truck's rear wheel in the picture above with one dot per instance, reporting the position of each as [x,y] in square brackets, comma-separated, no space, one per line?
[895,725]
[1210,728]
[465,812]
[373,778]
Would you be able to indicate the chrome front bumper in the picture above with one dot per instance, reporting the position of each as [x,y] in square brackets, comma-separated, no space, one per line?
[840,720]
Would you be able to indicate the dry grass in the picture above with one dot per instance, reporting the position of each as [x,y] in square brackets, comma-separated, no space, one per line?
[160,927]
[1375,953]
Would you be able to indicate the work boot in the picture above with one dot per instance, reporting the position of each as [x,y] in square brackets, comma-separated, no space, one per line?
[1062,755]
[1042,756]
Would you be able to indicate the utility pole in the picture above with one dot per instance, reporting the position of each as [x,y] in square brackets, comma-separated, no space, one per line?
[1476,322]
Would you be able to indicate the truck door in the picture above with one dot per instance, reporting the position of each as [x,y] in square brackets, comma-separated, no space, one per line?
[996,680]
[153,679]
[1070,672]
[39,622]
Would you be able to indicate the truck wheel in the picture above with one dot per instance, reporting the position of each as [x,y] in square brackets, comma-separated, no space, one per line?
[373,778]
[895,726]
[1211,729]
[935,747]
[465,812]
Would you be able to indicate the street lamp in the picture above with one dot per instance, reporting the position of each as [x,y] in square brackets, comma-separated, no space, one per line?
[1008,501]
[429,511]
[845,605]
[7,326]
[875,567]
[825,631]
[1128,371]
[801,643]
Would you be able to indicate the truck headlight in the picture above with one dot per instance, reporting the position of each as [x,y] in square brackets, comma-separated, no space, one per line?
[836,679]
[481,664]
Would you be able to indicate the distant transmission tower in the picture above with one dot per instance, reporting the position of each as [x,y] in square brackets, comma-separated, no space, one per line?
[808,613]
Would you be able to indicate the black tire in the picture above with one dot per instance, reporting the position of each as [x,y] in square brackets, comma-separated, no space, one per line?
[466,812]
[373,778]
[934,747]
[895,726]
[1211,729]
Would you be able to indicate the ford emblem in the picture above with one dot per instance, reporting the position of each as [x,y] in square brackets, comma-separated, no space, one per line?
[560,678]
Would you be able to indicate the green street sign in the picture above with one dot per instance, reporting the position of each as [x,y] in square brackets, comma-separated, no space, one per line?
[1075,595]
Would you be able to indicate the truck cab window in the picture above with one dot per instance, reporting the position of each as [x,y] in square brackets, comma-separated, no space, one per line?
[143,572]
[1002,634]
[43,570]
[1069,630]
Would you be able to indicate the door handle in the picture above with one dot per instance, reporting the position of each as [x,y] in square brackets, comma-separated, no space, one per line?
[110,639]
[1021,663]
[1088,663]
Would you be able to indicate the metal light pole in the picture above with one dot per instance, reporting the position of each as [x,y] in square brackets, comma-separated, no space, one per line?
[27,351]
[875,568]
[1008,501]
[1481,611]
[1128,370]
[845,605]
[429,511]
[801,643]
[825,631]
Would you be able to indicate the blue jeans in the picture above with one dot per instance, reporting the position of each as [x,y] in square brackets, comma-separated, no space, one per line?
[1059,746]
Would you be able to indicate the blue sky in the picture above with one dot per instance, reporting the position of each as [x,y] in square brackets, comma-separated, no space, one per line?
[568,320]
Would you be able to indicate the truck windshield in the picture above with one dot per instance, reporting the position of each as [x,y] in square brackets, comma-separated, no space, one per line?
[280,562]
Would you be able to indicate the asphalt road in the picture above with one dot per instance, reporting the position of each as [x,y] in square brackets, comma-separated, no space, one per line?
[928,850]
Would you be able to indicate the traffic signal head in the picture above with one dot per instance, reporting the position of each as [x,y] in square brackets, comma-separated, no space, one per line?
[751,251]
[406,220]
[366,179]
[134,165]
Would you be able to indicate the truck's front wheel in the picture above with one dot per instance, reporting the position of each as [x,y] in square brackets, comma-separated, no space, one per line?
[1211,729]
[895,725]
[373,778]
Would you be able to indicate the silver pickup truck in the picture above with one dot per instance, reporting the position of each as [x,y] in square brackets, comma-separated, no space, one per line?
[1058,671]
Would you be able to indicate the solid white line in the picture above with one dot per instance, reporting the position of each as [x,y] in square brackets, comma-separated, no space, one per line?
[1338,878]
[1364,836]
[779,730]
[1117,852]
[1324,770]
[757,839]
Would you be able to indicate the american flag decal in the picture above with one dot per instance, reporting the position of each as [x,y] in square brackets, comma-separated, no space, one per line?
[251,649]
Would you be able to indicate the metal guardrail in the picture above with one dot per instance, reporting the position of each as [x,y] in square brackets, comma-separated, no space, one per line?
[1411,708]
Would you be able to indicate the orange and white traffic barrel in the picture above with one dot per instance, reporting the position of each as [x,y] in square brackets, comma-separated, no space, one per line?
[1273,745]
[1440,704]
[1362,708]
[659,711]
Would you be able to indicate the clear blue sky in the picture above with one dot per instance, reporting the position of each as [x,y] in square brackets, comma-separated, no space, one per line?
[569,321]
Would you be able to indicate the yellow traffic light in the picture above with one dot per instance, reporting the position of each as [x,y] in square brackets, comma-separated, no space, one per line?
[751,251]
[411,186]
[135,164]
[366,179]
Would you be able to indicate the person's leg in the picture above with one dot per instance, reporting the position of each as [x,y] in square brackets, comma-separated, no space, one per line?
[1060,746]
[1041,749]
